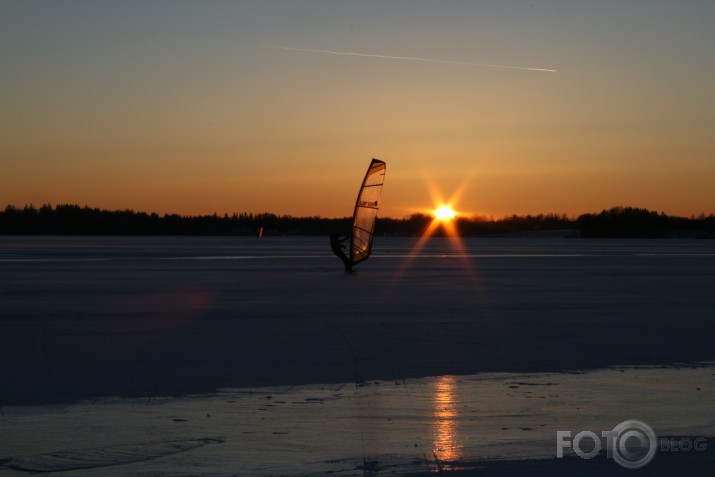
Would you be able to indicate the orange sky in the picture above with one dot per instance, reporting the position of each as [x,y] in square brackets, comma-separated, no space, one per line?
[183,108]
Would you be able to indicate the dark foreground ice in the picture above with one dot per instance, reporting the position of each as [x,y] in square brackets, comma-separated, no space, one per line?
[160,321]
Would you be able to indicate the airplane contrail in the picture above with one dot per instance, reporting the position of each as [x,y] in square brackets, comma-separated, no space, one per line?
[409,58]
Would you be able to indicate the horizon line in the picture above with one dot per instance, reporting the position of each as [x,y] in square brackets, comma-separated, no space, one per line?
[426,213]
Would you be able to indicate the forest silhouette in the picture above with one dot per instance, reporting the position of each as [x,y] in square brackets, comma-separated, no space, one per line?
[623,222]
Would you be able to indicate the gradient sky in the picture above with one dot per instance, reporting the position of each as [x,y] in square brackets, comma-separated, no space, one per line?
[183,107]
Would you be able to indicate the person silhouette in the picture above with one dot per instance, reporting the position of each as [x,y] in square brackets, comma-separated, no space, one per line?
[336,243]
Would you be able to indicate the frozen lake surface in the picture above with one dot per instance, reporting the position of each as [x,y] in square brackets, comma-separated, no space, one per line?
[445,422]
[166,348]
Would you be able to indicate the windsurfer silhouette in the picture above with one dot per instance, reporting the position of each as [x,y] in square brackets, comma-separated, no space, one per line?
[336,243]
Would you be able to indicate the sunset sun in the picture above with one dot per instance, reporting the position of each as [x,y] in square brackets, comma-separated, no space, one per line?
[444,213]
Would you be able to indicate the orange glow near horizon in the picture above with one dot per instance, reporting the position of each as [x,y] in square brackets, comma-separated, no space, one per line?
[113,113]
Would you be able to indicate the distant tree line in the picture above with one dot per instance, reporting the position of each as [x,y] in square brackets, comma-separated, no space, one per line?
[76,220]
[632,222]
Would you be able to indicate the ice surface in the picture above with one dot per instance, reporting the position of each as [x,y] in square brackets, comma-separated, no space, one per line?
[447,422]
[83,318]
[147,321]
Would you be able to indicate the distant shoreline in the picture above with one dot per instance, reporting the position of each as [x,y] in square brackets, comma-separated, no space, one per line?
[617,222]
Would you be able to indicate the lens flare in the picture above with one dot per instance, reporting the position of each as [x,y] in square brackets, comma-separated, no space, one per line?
[444,219]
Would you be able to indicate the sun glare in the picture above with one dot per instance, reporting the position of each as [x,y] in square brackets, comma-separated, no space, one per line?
[444,213]
[444,224]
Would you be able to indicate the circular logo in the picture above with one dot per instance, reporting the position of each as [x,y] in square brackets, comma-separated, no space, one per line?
[634,444]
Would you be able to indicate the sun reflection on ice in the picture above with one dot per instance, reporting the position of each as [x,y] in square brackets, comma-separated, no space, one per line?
[447,446]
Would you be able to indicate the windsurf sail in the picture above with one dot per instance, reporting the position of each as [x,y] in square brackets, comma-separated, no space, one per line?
[366,206]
